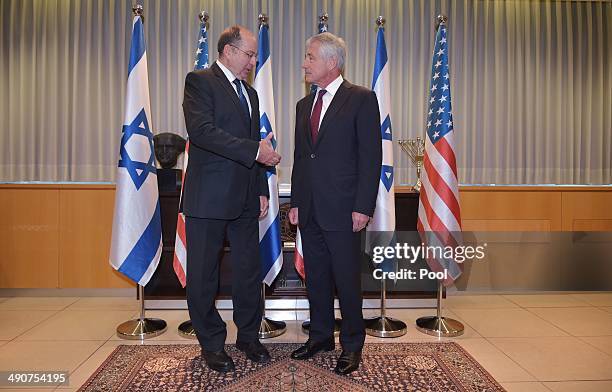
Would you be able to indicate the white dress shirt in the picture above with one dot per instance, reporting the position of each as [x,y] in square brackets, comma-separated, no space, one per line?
[331,91]
[231,77]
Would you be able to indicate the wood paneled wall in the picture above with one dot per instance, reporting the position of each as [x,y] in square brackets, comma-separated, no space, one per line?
[58,236]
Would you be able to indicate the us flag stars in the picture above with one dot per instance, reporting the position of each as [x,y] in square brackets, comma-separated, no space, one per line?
[201,55]
[439,102]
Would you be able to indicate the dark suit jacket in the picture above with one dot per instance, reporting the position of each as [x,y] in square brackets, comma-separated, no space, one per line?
[222,178]
[340,173]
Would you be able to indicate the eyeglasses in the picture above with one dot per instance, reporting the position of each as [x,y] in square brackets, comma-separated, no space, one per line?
[249,54]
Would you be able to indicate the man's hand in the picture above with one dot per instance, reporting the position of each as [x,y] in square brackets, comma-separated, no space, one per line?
[293,216]
[263,206]
[360,221]
[267,155]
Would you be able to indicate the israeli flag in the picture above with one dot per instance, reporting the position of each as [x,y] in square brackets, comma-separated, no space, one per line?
[380,231]
[384,215]
[136,241]
[270,244]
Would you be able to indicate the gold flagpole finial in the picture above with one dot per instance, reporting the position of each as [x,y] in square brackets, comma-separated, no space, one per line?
[441,20]
[380,21]
[138,10]
[263,19]
[203,16]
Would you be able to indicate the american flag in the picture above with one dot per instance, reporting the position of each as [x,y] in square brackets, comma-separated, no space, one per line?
[439,217]
[180,242]
[298,258]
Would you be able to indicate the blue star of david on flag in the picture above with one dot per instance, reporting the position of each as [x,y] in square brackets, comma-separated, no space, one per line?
[137,170]
[385,129]
[266,128]
[386,176]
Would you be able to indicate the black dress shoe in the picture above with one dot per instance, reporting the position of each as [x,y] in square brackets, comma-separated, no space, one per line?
[255,351]
[310,348]
[348,362]
[218,360]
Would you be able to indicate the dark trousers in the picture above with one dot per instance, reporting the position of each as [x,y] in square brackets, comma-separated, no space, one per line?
[331,258]
[204,246]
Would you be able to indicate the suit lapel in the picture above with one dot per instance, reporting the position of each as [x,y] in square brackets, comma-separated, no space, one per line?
[254,110]
[336,104]
[228,88]
[306,118]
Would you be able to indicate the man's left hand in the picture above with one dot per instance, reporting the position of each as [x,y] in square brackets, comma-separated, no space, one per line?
[360,221]
[263,206]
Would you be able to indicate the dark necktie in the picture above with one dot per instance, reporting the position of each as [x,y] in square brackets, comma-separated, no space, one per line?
[242,98]
[316,116]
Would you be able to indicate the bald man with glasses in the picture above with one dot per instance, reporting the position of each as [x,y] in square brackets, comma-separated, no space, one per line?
[226,191]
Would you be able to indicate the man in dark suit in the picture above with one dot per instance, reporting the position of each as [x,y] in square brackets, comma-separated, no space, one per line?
[334,185]
[225,192]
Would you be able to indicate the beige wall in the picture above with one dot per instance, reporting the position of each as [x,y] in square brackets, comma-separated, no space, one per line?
[57,236]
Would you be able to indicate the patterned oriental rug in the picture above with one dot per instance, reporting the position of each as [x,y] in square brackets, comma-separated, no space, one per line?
[440,367]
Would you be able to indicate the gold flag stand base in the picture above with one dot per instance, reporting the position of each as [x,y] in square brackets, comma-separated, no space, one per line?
[186,330]
[337,326]
[383,326]
[437,325]
[269,328]
[141,328]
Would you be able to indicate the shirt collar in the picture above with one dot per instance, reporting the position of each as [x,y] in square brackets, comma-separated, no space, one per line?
[228,74]
[333,87]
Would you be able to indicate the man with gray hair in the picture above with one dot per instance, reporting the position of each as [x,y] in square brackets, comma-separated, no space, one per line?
[334,184]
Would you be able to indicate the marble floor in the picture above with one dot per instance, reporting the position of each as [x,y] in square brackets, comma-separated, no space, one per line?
[535,342]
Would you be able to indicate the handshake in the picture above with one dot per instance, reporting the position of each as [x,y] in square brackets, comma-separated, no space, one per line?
[267,155]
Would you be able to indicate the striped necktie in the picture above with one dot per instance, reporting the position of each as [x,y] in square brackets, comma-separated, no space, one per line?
[242,98]
[315,117]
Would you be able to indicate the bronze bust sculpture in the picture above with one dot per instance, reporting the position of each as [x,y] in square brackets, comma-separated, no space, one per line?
[168,147]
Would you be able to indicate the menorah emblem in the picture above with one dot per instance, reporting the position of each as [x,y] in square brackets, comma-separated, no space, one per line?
[415,148]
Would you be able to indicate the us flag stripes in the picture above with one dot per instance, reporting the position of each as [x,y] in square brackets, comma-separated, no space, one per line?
[180,242]
[439,216]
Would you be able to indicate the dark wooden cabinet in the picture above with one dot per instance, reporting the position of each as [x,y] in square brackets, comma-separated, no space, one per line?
[165,285]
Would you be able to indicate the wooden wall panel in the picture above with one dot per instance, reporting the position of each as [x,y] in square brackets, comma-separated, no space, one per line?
[592,225]
[58,235]
[507,210]
[506,224]
[85,234]
[587,211]
[29,221]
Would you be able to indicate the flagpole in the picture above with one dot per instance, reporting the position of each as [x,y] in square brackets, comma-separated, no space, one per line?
[141,328]
[268,328]
[186,329]
[383,326]
[437,325]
